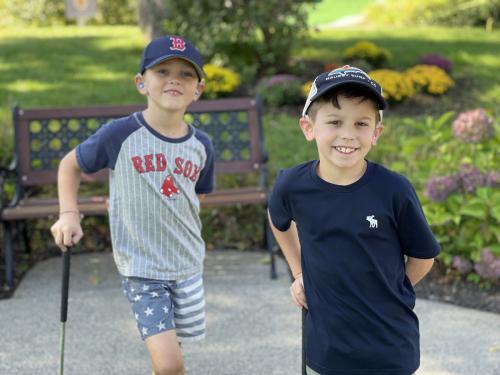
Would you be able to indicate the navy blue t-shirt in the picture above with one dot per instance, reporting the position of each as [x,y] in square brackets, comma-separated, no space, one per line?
[353,240]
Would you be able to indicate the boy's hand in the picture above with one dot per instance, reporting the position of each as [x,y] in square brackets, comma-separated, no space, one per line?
[297,292]
[67,231]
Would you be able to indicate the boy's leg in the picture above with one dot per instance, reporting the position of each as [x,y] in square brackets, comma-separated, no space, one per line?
[165,353]
[151,303]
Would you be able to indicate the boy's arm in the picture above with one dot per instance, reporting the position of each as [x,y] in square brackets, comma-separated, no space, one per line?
[417,268]
[67,231]
[290,245]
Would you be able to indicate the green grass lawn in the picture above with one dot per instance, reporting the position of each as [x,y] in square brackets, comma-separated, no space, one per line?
[327,11]
[63,66]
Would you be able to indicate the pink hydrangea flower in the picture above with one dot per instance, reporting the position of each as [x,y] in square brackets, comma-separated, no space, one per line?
[473,126]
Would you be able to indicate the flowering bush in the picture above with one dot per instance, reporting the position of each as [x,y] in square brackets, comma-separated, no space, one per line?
[464,266]
[306,87]
[438,188]
[436,60]
[364,50]
[466,180]
[473,126]
[458,183]
[396,86]
[281,89]
[431,79]
[220,81]
[488,267]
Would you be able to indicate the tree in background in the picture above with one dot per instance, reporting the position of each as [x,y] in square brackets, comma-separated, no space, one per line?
[152,14]
[255,37]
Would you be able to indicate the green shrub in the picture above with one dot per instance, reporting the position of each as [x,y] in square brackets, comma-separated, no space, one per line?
[245,33]
[51,12]
[436,12]
[281,89]
[366,52]
[458,182]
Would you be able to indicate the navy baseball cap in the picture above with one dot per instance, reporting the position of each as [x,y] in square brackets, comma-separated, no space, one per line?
[171,47]
[347,75]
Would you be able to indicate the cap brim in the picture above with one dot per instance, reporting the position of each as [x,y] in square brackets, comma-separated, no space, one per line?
[199,70]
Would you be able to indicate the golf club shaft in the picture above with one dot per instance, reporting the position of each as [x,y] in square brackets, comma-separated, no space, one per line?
[61,344]
[304,371]
[64,306]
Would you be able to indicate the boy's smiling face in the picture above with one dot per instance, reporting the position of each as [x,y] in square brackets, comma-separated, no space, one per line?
[344,135]
[170,85]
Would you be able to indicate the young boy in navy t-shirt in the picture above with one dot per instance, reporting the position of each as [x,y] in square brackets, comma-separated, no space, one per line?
[346,226]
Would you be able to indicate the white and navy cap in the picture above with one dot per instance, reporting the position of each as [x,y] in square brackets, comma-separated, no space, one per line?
[170,47]
[347,75]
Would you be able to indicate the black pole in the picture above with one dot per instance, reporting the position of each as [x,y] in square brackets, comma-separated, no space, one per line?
[304,371]
[65,286]
[64,306]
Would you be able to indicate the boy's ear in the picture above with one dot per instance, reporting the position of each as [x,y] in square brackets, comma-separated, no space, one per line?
[307,127]
[139,84]
[199,90]
[379,128]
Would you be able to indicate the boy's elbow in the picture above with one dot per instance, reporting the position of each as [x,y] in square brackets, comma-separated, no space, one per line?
[69,163]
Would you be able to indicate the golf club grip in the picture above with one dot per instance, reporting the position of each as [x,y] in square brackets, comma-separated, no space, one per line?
[65,285]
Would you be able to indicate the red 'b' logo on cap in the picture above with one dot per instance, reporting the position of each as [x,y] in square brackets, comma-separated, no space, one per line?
[178,44]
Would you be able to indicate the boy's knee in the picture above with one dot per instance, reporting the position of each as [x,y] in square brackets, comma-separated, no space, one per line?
[173,368]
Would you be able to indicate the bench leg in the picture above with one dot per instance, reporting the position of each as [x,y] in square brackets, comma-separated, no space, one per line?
[25,235]
[9,256]
[269,242]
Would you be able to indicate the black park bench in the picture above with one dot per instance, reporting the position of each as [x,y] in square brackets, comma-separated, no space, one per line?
[44,135]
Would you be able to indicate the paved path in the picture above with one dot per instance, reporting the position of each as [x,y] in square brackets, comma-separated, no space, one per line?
[253,329]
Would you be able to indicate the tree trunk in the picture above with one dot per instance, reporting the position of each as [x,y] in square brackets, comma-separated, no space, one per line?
[151,16]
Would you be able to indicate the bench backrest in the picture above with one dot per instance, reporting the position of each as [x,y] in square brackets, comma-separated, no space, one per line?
[44,136]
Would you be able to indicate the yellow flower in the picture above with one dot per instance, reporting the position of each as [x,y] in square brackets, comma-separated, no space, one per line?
[396,86]
[430,78]
[367,51]
[306,87]
[220,80]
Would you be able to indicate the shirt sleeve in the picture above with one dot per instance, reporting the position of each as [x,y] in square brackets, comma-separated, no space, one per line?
[416,236]
[100,150]
[206,181]
[278,205]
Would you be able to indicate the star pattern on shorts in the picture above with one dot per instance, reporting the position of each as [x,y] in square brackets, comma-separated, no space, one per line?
[154,294]
[165,309]
[149,311]
[161,326]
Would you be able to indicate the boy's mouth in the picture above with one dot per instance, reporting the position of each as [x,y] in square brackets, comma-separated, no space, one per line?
[173,92]
[345,150]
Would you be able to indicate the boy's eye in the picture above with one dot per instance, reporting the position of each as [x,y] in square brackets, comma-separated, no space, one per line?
[361,123]
[162,71]
[334,122]
[187,74]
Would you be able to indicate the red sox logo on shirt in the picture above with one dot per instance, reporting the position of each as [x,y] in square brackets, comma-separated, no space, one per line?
[178,44]
[158,163]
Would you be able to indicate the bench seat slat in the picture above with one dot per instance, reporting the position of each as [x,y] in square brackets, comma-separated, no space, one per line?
[35,208]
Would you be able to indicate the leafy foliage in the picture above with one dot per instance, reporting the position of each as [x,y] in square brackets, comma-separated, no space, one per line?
[51,12]
[464,214]
[436,12]
[254,36]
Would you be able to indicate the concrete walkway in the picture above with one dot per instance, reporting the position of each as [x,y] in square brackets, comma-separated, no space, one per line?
[252,326]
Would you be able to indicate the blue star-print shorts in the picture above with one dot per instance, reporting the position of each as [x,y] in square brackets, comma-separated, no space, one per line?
[160,306]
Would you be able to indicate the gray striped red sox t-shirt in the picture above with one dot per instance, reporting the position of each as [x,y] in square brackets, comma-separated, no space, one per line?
[153,207]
